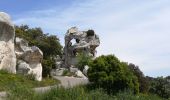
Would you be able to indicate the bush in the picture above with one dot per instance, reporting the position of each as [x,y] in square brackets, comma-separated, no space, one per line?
[47,64]
[143,81]
[161,87]
[83,59]
[112,75]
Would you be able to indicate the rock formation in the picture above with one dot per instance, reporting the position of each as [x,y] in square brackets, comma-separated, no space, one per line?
[85,42]
[29,59]
[7,35]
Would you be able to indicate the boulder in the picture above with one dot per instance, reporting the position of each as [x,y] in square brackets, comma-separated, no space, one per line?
[7,52]
[29,59]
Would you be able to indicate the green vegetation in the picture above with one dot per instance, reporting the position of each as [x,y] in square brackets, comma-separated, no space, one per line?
[8,81]
[161,87]
[143,82]
[110,79]
[49,44]
[83,59]
[76,93]
[109,73]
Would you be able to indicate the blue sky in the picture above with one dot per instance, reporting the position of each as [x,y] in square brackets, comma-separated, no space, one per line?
[136,31]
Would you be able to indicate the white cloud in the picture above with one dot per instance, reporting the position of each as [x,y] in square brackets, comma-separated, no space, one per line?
[135,31]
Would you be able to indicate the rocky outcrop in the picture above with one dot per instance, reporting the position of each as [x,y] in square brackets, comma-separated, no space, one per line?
[28,59]
[77,42]
[7,35]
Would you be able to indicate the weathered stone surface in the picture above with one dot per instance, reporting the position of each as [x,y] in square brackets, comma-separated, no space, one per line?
[29,59]
[85,42]
[7,35]
[80,74]
[85,70]
[57,72]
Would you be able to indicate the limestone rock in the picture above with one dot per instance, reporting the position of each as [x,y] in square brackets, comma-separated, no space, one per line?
[80,74]
[85,70]
[57,72]
[7,35]
[29,59]
[77,42]
[73,69]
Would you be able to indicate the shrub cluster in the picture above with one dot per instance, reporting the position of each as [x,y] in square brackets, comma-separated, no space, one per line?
[109,73]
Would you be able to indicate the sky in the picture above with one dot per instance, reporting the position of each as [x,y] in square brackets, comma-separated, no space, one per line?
[136,31]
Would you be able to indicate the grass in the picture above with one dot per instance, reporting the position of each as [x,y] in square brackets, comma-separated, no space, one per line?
[19,87]
[8,80]
[76,93]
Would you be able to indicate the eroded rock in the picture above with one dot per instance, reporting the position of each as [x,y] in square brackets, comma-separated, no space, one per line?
[7,35]
[29,59]
[77,42]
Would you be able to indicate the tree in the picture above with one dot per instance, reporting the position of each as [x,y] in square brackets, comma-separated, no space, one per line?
[161,87]
[109,73]
[143,82]
[49,44]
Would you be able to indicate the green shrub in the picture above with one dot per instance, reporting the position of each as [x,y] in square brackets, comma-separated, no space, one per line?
[161,87]
[83,59]
[143,81]
[109,73]
[47,64]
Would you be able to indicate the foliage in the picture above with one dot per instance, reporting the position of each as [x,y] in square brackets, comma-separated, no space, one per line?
[83,59]
[143,82]
[128,95]
[161,87]
[48,63]
[112,75]
[49,44]
[90,33]
[7,80]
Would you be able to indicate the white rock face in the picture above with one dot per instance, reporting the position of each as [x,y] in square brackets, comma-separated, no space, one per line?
[77,42]
[80,74]
[85,70]
[7,35]
[29,59]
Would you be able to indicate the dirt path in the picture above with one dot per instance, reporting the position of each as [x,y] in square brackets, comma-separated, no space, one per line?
[71,81]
